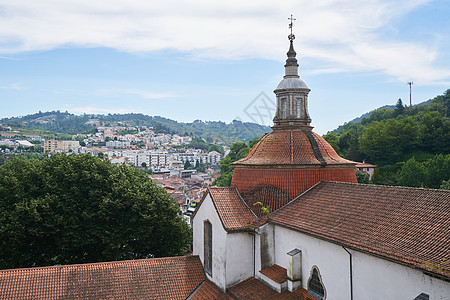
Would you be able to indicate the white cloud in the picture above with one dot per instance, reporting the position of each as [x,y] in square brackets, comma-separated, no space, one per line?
[12,86]
[342,33]
[137,92]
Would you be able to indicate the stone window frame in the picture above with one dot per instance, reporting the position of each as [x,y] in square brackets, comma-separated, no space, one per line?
[315,275]
[207,246]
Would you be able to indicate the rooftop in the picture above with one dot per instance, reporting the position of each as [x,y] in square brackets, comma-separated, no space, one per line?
[156,278]
[293,148]
[232,210]
[406,225]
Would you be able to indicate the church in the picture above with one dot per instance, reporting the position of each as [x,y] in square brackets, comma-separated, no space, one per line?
[295,218]
[294,224]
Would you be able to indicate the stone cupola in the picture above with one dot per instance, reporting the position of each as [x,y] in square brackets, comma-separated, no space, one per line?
[292,95]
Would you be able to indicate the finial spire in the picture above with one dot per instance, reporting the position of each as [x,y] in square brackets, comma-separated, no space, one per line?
[291,62]
[292,94]
[291,37]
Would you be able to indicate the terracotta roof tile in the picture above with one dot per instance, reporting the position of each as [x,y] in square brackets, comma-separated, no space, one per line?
[270,196]
[157,278]
[209,290]
[232,210]
[276,273]
[408,225]
[252,288]
[293,147]
[288,183]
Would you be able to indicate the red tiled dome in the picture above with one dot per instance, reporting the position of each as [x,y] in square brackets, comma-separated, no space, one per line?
[297,148]
[290,160]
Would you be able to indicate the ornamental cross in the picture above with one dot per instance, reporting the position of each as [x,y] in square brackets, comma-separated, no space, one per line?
[291,36]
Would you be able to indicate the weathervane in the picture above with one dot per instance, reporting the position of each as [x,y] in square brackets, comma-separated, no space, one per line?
[291,37]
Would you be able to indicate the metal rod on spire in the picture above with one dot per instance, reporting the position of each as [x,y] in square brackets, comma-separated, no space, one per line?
[291,36]
[410,84]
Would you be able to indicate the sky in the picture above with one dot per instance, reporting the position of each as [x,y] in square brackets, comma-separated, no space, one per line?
[219,60]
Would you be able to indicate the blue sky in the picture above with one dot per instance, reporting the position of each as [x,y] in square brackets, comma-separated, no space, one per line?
[211,60]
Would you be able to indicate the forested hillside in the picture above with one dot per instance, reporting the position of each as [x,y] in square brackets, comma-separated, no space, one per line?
[410,144]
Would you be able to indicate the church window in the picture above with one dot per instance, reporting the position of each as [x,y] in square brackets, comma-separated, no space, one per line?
[299,105]
[207,247]
[315,284]
[283,112]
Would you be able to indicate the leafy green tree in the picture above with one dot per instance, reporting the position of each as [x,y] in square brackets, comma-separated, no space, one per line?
[214,147]
[411,174]
[437,169]
[187,165]
[70,209]
[386,175]
[399,107]
[362,177]
[144,165]
[445,184]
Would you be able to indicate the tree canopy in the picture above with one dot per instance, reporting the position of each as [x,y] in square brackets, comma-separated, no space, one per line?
[69,209]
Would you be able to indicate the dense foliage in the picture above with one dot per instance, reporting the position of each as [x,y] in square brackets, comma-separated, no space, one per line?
[69,209]
[198,143]
[431,173]
[399,139]
[237,151]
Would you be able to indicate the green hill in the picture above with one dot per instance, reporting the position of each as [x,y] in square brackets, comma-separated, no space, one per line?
[399,138]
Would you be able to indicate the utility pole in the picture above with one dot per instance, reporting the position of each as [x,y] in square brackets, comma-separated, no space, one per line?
[410,84]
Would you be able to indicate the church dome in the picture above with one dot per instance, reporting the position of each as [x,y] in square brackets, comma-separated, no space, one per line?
[291,83]
[295,148]
[292,158]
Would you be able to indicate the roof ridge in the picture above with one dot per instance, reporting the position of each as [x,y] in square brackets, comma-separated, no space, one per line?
[297,197]
[114,262]
[315,147]
[245,203]
[388,186]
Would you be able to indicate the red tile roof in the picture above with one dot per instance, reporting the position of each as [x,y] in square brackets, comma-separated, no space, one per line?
[252,288]
[232,210]
[209,290]
[157,278]
[271,197]
[300,147]
[276,273]
[407,225]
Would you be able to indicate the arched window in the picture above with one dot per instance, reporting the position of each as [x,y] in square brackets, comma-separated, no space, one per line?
[315,284]
[207,247]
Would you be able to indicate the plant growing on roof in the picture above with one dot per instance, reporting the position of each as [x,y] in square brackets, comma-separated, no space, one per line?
[264,209]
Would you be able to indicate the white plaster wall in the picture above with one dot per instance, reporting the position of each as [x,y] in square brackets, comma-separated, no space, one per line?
[207,212]
[389,280]
[239,263]
[373,278]
[332,261]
